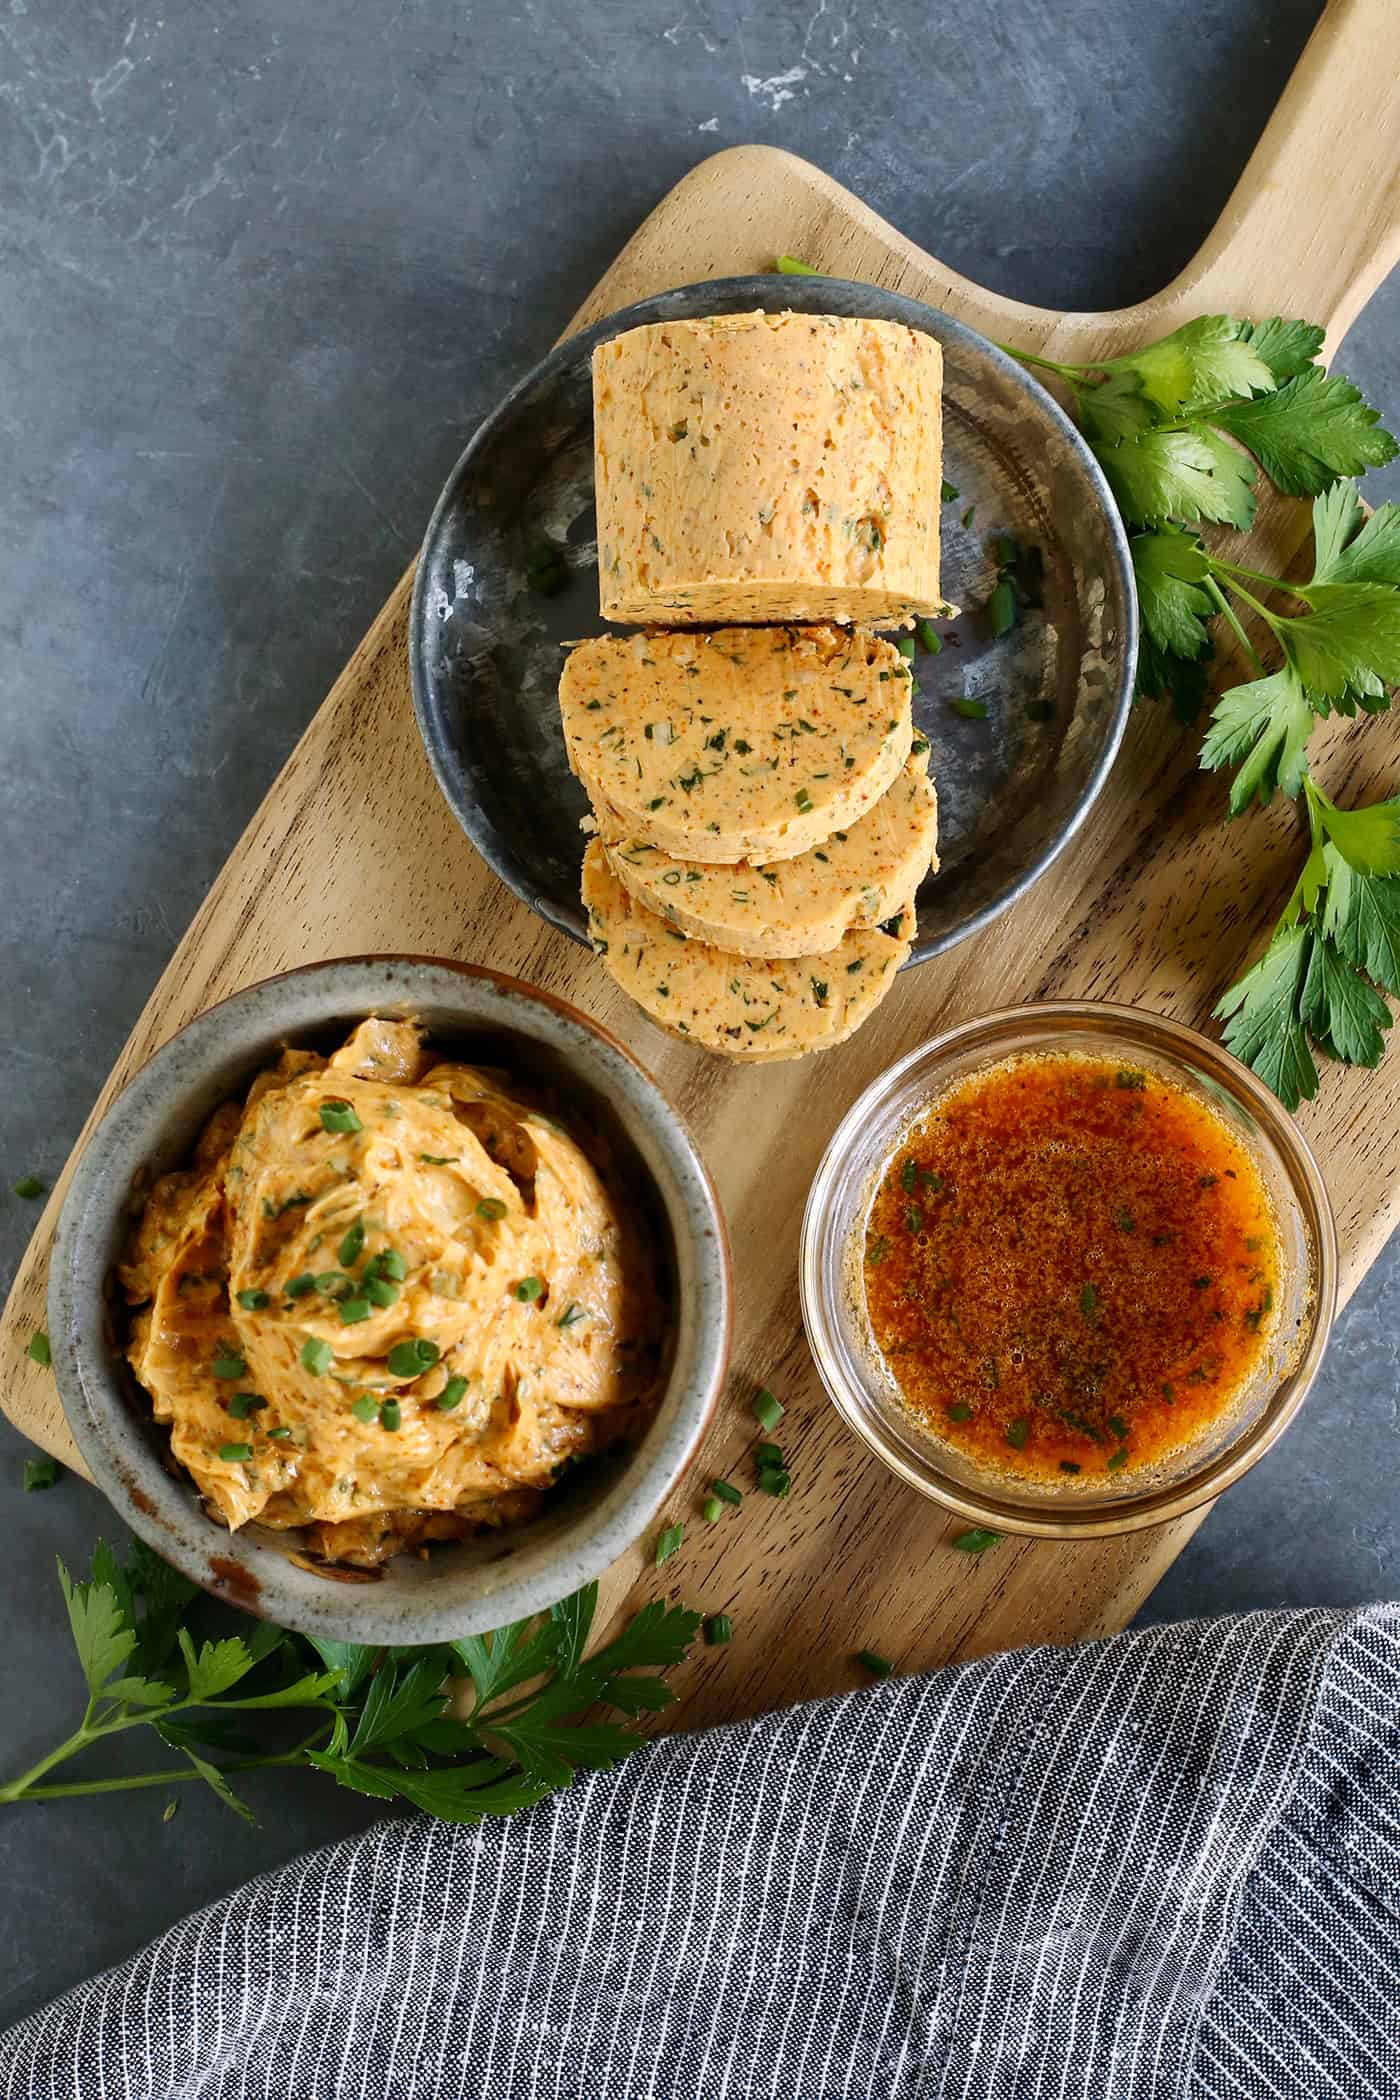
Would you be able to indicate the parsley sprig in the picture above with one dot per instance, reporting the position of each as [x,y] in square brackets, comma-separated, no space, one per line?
[1181,428]
[1338,938]
[379,1717]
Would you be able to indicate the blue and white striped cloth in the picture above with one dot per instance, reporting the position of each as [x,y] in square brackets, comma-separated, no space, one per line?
[1166,1866]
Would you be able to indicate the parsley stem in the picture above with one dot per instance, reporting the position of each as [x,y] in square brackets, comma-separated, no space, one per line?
[1228,613]
[21,1790]
[1269,619]
[1076,375]
[1270,583]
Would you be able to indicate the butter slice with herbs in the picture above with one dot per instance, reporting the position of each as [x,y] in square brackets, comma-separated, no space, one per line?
[755,1011]
[768,467]
[855,879]
[743,744]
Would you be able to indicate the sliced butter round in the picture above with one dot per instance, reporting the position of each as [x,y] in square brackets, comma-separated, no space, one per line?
[768,467]
[854,879]
[752,1010]
[750,743]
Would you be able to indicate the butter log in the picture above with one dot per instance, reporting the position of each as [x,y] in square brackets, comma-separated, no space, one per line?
[768,467]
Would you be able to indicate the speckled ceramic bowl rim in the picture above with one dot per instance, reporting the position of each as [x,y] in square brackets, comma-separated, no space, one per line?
[180,1083]
[1064,1521]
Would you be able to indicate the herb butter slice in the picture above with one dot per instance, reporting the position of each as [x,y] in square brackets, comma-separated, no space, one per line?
[741,744]
[768,467]
[753,1010]
[856,878]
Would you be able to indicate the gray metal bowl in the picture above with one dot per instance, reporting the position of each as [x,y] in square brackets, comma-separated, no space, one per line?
[1013,788]
[461,1588]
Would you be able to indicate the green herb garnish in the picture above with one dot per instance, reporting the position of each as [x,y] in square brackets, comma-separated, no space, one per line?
[452,1394]
[29,1187]
[409,1360]
[244,1404]
[228,1364]
[719,1629]
[491,1208]
[254,1301]
[352,1246]
[340,1117]
[877,1665]
[317,1357]
[390,1415]
[39,1351]
[726,1491]
[975,1541]
[365,1408]
[768,1408]
[529,1288]
[375,1720]
[40,1473]
[668,1541]
[235,1454]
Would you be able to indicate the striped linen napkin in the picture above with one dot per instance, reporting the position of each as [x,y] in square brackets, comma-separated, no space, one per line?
[1164,1866]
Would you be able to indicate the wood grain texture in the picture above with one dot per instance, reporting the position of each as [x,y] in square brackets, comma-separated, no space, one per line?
[1157,904]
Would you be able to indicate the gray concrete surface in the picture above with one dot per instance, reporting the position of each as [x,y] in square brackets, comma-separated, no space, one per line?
[260,270]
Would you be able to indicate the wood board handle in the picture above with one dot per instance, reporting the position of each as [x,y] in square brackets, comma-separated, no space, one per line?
[1313,224]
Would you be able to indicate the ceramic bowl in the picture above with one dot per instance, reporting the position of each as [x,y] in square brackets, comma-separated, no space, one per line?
[460,1588]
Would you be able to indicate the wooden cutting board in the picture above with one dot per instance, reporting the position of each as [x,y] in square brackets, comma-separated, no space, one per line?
[1157,904]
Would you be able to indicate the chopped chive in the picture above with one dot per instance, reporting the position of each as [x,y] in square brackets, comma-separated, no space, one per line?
[1001,609]
[244,1404]
[1017,1433]
[380,1291]
[774,1480]
[389,1263]
[949,493]
[712,1509]
[975,1541]
[254,1301]
[768,1408]
[929,637]
[528,1289]
[969,514]
[409,1360]
[317,1357]
[769,1455]
[340,1117]
[1116,1426]
[789,266]
[353,1310]
[909,1176]
[236,1454]
[390,1415]
[571,1316]
[726,1491]
[1125,1221]
[366,1408]
[803,800]
[300,1285]
[439,1159]
[960,1412]
[282,1435]
[29,1187]
[39,1351]
[228,1364]
[905,646]
[668,1541]
[352,1246]
[452,1395]
[1118,1458]
[40,1473]
[1067,1465]
[333,1283]
[877,1665]
[492,1208]
[1089,1303]
[719,1629]
[1132,1082]
[970,710]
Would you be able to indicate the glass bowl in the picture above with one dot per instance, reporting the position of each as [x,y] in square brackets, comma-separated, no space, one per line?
[833,1288]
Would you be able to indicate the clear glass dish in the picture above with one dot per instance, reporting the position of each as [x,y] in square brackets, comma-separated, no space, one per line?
[833,1289]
